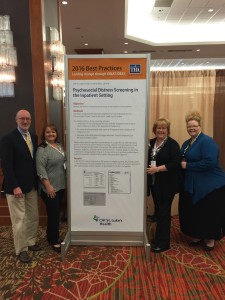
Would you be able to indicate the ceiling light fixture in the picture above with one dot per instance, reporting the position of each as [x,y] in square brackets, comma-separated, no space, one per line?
[64,2]
[86,44]
[210,10]
[57,51]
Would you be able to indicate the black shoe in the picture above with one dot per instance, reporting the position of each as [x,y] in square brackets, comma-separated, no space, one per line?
[64,219]
[57,248]
[209,247]
[157,249]
[152,218]
[195,243]
[24,257]
[59,241]
[34,248]
[152,241]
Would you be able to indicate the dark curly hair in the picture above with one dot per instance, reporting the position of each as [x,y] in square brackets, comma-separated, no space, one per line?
[53,127]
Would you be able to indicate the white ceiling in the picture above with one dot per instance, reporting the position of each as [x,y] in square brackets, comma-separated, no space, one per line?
[176,22]
[191,11]
[101,23]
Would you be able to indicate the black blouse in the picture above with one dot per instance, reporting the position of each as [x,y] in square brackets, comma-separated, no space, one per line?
[170,156]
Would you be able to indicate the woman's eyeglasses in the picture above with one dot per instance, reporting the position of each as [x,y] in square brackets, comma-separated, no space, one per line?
[194,126]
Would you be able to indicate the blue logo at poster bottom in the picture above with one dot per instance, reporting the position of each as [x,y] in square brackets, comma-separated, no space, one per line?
[135,69]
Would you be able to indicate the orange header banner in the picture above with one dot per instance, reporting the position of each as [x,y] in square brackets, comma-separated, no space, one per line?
[106,68]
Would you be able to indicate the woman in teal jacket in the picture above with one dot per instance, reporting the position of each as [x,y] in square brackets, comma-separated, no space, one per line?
[202,198]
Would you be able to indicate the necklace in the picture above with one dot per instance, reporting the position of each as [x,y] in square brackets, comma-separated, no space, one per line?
[57,148]
[156,148]
[192,141]
[189,144]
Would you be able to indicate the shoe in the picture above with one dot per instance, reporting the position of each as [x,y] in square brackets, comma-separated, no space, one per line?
[24,257]
[59,241]
[34,248]
[157,249]
[208,247]
[152,241]
[152,218]
[195,242]
[64,219]
[57,248]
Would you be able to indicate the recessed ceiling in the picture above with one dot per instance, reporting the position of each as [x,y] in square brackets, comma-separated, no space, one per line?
[176,22]
[100,25]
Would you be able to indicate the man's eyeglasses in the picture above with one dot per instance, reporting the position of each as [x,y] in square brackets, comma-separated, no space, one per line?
[24,119]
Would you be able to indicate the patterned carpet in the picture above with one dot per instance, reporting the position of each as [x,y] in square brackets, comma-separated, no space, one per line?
[113,273]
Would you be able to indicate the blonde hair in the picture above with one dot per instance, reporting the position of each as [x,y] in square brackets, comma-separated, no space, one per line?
[194,115]
[161,121]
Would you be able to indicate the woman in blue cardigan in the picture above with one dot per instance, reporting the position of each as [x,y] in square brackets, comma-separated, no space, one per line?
[202,198]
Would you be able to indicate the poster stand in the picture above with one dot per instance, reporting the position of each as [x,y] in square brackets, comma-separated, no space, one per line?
[107,133]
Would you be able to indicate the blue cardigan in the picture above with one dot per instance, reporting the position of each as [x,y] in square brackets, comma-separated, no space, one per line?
[203,173]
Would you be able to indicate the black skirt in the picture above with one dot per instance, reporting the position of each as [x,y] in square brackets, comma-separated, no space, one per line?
[206,219]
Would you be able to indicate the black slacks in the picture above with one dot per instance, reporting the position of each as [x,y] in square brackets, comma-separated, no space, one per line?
[53,210]
[163,200]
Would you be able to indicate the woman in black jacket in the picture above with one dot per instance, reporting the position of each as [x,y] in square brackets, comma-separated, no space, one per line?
[163,171]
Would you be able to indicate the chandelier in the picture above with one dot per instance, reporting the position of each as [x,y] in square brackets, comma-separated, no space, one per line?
[57,50]
[8,58]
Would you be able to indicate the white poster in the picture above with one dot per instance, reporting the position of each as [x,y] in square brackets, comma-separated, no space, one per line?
[107,114]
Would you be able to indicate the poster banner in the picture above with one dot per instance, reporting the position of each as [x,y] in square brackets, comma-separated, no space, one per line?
[107,113]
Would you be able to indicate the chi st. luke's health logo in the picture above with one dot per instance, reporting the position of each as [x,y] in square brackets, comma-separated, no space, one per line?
[96,218]
[106,221]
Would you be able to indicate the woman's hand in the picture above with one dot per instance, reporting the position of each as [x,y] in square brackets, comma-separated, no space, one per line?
[49,188]
[183,164]
[152,170]
[51,191]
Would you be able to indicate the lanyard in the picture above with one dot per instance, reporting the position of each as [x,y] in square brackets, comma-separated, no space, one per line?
[189,144]
[59,149]
[156,149]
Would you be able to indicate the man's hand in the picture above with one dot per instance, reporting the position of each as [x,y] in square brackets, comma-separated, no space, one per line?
[18,192]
